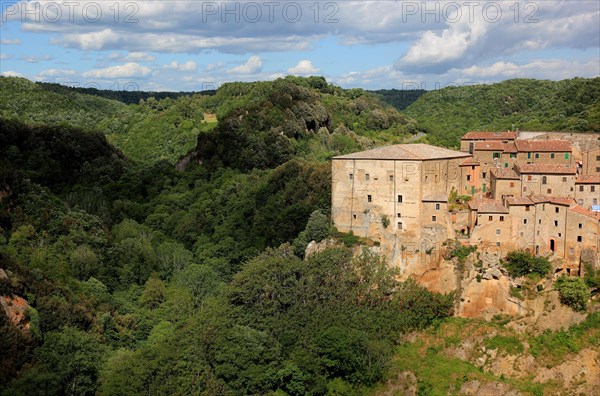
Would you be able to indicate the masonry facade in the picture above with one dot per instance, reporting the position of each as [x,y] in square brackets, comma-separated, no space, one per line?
[526,194]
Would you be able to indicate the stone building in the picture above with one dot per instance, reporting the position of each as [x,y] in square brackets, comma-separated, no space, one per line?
[467,142]
[398,196]
[587,190]
[590,160]
[504,182]
[544,151]
[547,179]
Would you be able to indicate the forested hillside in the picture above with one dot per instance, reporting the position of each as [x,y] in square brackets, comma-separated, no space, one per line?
[133,277]
[528,105]
[159,247]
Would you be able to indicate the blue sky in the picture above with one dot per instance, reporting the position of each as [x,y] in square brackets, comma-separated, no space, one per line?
[195,45]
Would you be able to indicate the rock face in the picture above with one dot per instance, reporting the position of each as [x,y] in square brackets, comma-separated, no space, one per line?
[15,308]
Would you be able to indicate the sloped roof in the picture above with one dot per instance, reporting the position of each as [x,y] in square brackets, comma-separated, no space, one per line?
[588,179]
[504,173]
[485,205]
[536,199]
[556,169]
[543,146]
[518,201]
[508,135]
[414,152]
[585,212]
[470,161]
[489,145]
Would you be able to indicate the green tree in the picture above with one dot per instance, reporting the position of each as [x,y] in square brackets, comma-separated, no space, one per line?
[573,292]
[521,263]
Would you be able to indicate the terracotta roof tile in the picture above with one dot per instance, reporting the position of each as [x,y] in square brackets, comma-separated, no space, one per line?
[510,147]
[585,212]
[543,146]
[470,161]
[588,179]
[488,206]
[518,201]
[537,199]
[415,152]
[556,169]
[490,145]
[504,173]
[489,136]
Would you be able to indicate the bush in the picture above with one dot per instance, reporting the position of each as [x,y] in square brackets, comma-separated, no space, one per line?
[521,263]
[317,227]
[573,292]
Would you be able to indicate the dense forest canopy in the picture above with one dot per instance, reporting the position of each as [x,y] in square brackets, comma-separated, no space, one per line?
[141,278]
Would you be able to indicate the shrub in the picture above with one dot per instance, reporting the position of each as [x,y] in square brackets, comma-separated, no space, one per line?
[521,263]
[385,221]
[573,292]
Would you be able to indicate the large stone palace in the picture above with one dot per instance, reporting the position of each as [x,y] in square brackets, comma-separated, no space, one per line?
[533,191]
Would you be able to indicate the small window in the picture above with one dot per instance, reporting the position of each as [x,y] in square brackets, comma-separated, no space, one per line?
[555,223]
[580,188]
[544,180]
[513,155]
[564,179]
[369,198]
[598,169]
[501,218]
[571,250]
[598,158]
[549,191]
[472,167]
[592,188]
[524,221]
[399,225]
[580,225]
[528,155]
[433,218]
[468,177]
[551,155]
[506,164]
[391,178]
[399,198]
[559,235]
[566,155]
[354,216]
[491,218]
[351,176]
[529,177]
[367,176]
[497,232]
[512,184]
[527,208]
[496,155]
[579,238]
[595,201]
[399,215]
[537,155]
[437,206]
[540,221]
[485,173]
[556,210]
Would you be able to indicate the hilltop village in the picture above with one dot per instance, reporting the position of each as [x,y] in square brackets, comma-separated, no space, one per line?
[503,191]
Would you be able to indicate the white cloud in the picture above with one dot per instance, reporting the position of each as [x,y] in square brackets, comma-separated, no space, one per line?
[36,59]
[4,56]
[10,73]
[304,67]
[553,69]
[187,66]
[128,70]
[252,66]
[56,73]
[10,42]
[132,57]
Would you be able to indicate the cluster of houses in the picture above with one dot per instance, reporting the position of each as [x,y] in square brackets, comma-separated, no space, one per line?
[502,191]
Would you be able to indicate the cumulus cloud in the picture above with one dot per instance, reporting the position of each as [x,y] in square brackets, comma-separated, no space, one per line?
[57,73]
[127,70]
[10,73]
[4,56]
[554,69]
[252,66]
[187,66]
[131,57]
[10,41]
[303,68]
[36,59]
